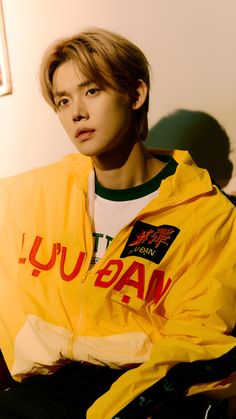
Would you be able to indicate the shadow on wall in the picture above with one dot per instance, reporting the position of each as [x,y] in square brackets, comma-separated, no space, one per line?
[201,135]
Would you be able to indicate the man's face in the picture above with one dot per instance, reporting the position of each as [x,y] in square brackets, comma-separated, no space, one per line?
[97,120]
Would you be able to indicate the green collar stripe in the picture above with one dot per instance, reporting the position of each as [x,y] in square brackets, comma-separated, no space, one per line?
[137,191]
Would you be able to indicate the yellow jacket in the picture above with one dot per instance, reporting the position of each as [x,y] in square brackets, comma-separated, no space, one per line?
[164,292]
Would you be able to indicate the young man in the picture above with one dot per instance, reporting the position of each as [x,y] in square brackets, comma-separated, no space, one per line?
[118,263]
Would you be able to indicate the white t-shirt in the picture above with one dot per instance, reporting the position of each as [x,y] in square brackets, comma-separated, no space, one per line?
[115,208]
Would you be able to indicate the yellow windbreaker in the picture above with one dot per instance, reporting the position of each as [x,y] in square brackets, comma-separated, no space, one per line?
[164,292]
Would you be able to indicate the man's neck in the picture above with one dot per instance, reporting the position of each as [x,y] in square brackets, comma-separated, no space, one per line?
[138,168]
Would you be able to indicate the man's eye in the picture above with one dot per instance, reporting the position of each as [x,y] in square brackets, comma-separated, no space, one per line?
[92,92]
[62,103]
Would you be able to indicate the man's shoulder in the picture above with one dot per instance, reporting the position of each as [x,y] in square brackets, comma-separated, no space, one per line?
[32,174]
[47,174]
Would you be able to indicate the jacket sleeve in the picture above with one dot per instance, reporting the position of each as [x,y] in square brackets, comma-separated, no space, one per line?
[201,312]
[174,385]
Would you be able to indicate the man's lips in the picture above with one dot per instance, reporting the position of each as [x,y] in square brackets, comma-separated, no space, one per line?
[83,133]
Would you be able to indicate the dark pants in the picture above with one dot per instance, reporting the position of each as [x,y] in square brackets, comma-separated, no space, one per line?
[194,407]
[69,393]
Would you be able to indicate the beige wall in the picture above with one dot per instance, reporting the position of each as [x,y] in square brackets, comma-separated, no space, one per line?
[190,45]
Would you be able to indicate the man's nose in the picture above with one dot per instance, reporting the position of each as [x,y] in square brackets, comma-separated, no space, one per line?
[79,111]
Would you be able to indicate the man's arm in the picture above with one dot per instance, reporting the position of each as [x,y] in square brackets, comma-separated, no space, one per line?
[174,386]
[201,314]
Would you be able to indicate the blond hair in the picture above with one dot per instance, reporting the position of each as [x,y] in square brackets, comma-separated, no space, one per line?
[103,57]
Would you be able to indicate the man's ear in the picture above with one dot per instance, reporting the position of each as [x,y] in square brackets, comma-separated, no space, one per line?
[141,92]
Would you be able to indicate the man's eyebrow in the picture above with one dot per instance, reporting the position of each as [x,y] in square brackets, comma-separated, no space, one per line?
[80,86]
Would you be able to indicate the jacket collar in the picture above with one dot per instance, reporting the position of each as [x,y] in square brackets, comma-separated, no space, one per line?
[81,166]
[188,181]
